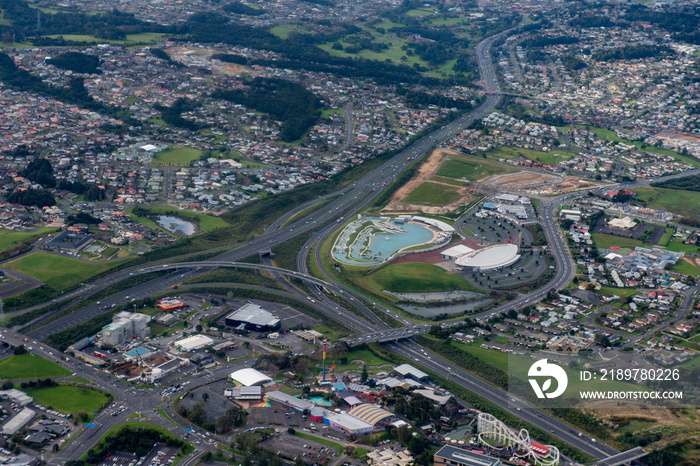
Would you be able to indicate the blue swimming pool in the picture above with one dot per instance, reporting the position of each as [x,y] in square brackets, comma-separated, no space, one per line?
[369,241]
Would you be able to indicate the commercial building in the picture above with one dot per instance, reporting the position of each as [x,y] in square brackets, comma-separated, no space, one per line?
[244,393]
[408,371]
[16,424]
[125,325]
[622,223]
[289,401]
[193,343]
[253,317]
[16,396]
[461,457]
[138,354]
[456,251]
[152,374]
[168,304]
[249,377]
[344,422]
[69,241]
[371,414]
[492,257]
[389,457]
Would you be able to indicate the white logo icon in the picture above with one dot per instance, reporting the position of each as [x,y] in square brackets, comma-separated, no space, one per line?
[542,368]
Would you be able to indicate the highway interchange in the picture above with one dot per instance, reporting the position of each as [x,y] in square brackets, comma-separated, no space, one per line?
[341,204]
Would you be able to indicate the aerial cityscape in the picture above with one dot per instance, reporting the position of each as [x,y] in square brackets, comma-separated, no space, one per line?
[333,232]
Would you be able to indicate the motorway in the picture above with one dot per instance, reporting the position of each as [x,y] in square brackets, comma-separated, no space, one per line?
[518,408]
[341,204]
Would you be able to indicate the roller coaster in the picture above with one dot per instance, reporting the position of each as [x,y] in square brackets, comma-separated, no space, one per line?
[491,430]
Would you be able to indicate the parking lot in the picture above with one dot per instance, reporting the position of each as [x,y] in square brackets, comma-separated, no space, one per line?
[292,447]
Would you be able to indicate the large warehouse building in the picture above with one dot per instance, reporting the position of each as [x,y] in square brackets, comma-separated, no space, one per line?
[253,317]
[193,343]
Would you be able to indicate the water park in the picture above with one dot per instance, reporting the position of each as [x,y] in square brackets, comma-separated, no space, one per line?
[372,240]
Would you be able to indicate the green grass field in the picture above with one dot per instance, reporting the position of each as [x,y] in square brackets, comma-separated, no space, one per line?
[158,329]
[677,245]
[433,194]
[68,399]
[367,356]
[603,240]
[421,12]
[58,272]
[668,199]
[621,292]
[393,53]
[551,158]
[469,170]
[686,268]
[282,30]
[415,277]
[131,39]
[176,156]
[666,237]
[10,239]
[29,366]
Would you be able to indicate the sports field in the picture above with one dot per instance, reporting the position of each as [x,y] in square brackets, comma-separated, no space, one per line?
[30,366]
[56,271]
[177,156]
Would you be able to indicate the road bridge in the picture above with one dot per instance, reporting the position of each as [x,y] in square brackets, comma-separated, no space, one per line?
[626,457]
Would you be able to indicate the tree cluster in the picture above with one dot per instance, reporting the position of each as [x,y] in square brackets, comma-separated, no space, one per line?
[40,171]
[39,383]
[418,410]
[632,52]
[173,115]
[32,197]
[230,58]
[417,98]
[296,107]
[688,183]
[77,62]
[137,440]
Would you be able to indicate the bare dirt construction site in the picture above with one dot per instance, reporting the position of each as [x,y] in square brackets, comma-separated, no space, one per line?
[401,201]
[536,183]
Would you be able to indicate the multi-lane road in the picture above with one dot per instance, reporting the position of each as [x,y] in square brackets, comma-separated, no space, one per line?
[341,204]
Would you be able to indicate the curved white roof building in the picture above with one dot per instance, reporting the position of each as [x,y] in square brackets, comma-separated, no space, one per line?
[249,377]
[492,257]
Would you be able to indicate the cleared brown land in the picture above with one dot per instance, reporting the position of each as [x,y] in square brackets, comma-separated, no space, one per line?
[398,204]
[547,183]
